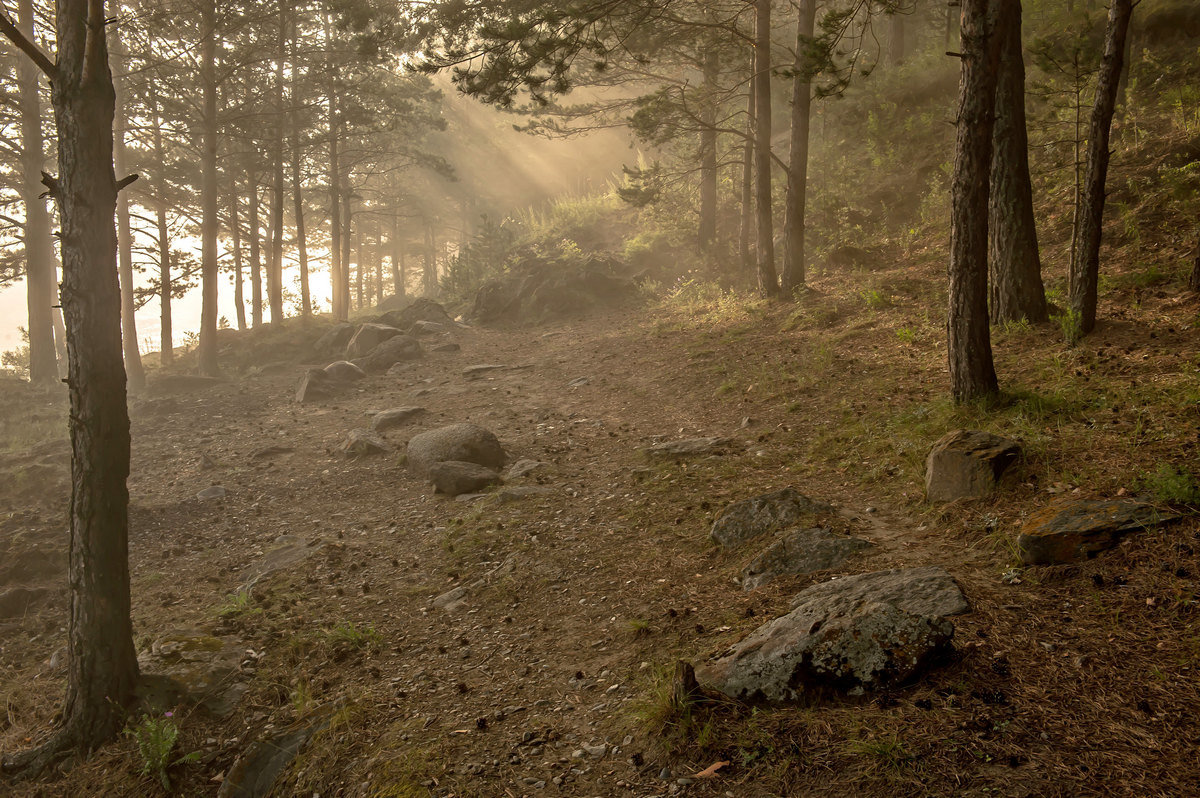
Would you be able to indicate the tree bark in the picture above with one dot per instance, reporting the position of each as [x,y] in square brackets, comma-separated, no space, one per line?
[40,291]
[209,223]
[377,259]
[135,374]
[896,44]
[1194,277]
[768,282]
[1085,265]
[397,258]
[298,190]
[1015,289]
[794,222]
[347,238]
[337,264]
[430,261]
[360,265]
[972,371]
[707,233]
[101,662]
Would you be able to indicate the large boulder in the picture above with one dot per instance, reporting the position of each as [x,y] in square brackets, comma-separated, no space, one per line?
[1075,529]
[801,551]
[455,477]
[465,442]
[344,371]
[421,309]
[335,339]
[367,337]
[967,464]
[397,349]
[317,385]
[540,289]
[770,512]
[857,633]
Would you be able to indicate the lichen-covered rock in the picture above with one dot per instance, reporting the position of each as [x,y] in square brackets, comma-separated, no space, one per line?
[1075,529]
[367,337]
[454,477]
[857,633]
[770,512]
[800,551]
[397,349]
[687,447]
[466,442]
[316,385]
[967,464]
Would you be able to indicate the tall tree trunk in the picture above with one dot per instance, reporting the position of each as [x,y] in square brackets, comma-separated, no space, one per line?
[337,264]
[101,663]
[1015,289]
[797,187]
[377,260]
[297,152]
[707,233]
[430,261]
[207,352]
[768,282]
[133,358]
[397,263]
[360,265]
[255,233]
[347,237]
[972,372]
[1194,277]
[40,290]
[275,268]
[1085,266]
[896,43]
[166,341]
[235,231]
[747,222]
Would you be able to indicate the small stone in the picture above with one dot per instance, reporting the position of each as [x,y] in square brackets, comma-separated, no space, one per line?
[362,443]
[211,492]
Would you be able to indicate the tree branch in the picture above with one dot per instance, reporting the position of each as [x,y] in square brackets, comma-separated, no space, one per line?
[14,35]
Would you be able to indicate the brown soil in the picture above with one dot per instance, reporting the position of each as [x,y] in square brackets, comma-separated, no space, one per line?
[1073,680]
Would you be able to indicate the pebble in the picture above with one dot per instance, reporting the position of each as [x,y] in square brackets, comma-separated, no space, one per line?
[665,774]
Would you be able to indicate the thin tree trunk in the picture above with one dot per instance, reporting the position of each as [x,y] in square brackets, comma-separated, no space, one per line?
[275,268]
[896,43]
[430,261]
[166,347]
[1085,267]
[797,188]
[209,223]
[397,263]
[972,371]
[39,249]
[101,663]
[377,260]
[747,225]
[235,231]
[255,233]
[360,265]
[1015,289]
[347,237]
[1194,277]
[133,358]
[337,264]
[298,186]
[768,282]
[707,233]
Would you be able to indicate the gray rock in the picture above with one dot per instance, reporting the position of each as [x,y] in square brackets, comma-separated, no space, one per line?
[397,349]
[801,551]
[265,453]
[344,371]
[688,447]
[454,477]
[19,601]
[770,512]
[518,492]
[480,369]
[362,443]
[1075,529]
[858,633]
[466,442]
[967,464]
[449,346]
[367,337]
[394,417]
[421,309]
[525,467]
[335,339]
[316,385]
[289,550]
[194,668]
[254,773]
[423,327]
[211,492]
[455,597]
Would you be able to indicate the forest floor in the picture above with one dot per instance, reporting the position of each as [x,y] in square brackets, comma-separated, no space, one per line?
[553,676]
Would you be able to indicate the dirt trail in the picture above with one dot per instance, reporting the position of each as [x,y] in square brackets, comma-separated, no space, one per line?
[532,685]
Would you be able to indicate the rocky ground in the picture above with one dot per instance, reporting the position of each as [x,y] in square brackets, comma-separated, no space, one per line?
[523,642]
